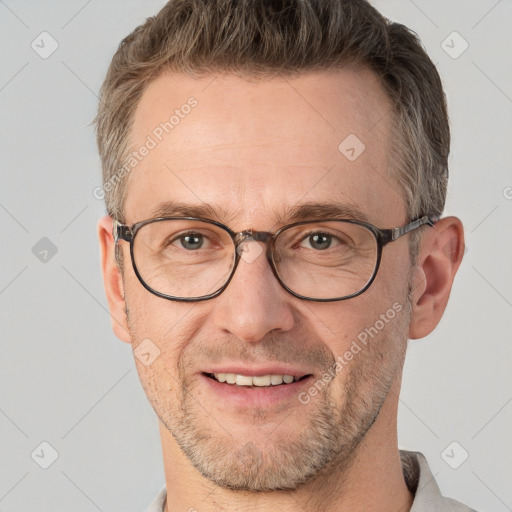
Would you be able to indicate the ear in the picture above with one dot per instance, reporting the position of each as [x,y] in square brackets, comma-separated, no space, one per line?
[112,280]
[442,248]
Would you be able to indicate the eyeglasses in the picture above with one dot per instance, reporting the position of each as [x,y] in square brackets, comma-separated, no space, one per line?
[191,259]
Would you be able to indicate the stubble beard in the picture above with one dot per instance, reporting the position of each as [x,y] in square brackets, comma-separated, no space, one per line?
[326,442]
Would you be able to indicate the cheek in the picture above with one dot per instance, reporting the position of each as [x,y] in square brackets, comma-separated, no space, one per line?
[150,313]
[338,323]
[167,324]
[365,326]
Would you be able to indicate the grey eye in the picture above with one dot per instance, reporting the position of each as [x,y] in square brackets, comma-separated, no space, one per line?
[191,241]
[320,240]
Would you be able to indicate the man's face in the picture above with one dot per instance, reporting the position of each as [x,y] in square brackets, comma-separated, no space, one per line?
[253,150]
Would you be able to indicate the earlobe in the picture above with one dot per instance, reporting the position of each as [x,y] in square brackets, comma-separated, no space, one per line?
[441,253]
[112,280]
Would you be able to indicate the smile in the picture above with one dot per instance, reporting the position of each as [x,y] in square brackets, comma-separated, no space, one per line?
[254,381]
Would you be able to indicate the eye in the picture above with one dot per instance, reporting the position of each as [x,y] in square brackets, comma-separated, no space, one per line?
[319,240]
[189,241]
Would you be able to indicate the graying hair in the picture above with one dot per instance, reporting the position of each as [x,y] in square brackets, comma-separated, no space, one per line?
[261,38]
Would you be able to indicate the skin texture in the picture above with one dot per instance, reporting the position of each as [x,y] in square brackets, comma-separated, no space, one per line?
[254,149]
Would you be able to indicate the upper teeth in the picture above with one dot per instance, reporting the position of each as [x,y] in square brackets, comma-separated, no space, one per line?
[259,380]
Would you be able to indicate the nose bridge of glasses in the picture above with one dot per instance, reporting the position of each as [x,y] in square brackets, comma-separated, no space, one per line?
[250,254]
[257,236]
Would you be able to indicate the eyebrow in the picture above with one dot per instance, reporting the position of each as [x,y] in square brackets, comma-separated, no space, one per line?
[297,213]
[319,211]
[176,209]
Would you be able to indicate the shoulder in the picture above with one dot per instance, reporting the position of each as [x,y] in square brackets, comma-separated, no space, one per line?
[157,505]
[421,482]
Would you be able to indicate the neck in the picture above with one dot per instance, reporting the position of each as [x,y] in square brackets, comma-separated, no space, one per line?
[372,482]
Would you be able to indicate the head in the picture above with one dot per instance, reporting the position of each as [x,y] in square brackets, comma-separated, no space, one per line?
[243,108]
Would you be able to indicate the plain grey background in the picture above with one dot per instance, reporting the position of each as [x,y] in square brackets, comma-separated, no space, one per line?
[67,381]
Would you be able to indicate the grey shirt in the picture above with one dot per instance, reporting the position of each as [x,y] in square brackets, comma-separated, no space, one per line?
[418,477]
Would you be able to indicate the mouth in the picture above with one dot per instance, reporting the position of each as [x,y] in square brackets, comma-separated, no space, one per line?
[256,381]
[269,389]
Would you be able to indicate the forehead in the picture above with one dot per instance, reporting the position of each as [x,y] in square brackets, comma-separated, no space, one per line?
[254,149]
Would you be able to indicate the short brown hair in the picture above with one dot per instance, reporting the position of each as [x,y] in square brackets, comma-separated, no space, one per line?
[264,37]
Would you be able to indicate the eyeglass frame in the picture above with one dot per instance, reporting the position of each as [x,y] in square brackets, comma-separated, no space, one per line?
[382,236]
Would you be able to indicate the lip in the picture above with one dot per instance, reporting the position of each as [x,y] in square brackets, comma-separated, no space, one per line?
[254,372]
[228,396]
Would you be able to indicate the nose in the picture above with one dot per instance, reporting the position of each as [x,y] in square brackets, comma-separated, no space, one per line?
[254,303]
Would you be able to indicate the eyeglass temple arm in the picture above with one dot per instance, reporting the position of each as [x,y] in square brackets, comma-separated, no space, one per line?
[120,231]
[403,230]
